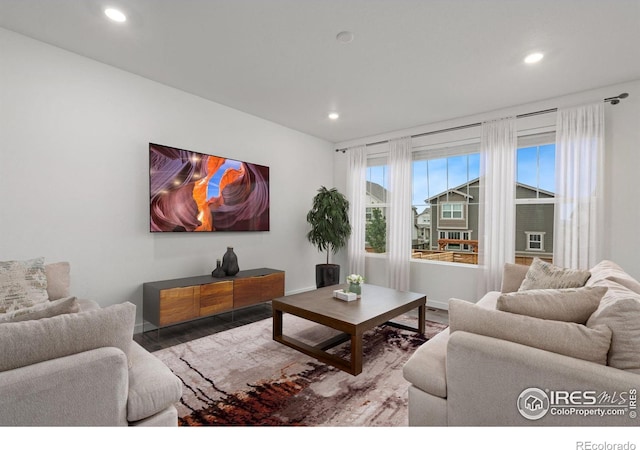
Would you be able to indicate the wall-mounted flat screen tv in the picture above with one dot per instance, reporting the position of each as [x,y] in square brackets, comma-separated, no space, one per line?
[191,191]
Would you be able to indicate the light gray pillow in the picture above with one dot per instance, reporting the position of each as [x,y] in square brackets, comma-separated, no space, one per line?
[544,275]
[32,341]
[58,279]
[22,284]
[565,338]
[565,305]
[620,310]
[512,277]
[42,310]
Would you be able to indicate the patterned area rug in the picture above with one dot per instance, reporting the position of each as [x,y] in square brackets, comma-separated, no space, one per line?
[243,377]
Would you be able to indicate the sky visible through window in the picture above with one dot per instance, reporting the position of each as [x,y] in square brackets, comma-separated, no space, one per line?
[535,167]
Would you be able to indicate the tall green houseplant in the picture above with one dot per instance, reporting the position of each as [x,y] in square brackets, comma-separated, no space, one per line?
[330,229]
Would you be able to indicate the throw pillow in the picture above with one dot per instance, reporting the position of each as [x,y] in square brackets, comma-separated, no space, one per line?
[42,310]
[565,338]
[565,305]
[544,275]
[620,311]
[22,284]
[58,280]
[512,277]
[32,341]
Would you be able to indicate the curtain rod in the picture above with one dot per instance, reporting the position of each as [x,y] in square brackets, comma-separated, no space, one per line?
[613,100]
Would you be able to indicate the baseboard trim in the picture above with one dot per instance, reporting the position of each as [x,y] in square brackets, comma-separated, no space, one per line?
[299,291]
[437,304]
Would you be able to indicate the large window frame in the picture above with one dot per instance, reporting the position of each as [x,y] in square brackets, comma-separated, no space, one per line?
[445,210]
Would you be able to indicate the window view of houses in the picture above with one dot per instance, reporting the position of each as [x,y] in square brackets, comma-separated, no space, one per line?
[445,206]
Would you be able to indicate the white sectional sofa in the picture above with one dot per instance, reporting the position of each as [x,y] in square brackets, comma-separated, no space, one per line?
[534,356]
[68,362]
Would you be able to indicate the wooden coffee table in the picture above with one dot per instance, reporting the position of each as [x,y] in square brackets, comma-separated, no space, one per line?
[376,307]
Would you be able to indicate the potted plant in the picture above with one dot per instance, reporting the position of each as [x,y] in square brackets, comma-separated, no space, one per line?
[330,230]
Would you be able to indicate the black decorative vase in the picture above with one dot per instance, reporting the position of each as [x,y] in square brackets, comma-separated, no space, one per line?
[230,263]
[218,272]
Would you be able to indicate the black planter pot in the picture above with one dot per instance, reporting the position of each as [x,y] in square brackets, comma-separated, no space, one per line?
[327,275]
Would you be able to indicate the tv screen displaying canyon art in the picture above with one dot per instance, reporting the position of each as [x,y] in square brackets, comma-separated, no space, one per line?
[191,191]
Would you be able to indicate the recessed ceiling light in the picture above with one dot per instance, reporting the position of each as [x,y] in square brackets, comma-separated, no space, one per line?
[334,116]
[115,15]
[534,58]
[345,37]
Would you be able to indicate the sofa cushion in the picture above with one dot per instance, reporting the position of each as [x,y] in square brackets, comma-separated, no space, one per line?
[565,305]
[22,284]
[620,310]
[512,277]
[32,341]
[489,300]
[426,369]
[566,338]
[42,310]
[544,275]
[152,385]
[608,270]
[58,280]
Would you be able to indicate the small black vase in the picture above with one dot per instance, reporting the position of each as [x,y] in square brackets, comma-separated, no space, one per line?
[218,272]
[230,263]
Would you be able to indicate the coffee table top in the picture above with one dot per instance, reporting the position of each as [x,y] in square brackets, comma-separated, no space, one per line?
[376,301]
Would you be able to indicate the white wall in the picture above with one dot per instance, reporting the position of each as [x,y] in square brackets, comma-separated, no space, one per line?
[74,174]
[441,281]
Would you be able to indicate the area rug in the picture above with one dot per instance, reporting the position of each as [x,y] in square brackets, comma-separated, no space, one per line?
[242,377]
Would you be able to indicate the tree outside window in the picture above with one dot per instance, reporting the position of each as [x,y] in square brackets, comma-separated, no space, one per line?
[376,231]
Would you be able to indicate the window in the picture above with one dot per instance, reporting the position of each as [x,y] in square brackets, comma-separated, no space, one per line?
[535,197]
[452,210]
[456,235]
[445,201]
[376,209]
[535,240]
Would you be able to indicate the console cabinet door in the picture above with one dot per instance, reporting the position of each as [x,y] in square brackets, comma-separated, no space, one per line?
[272,286]
[246,291]
[253,290]
[216,297]
[178,305]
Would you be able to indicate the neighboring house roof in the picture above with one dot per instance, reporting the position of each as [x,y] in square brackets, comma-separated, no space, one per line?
[377,192]
[457,190]
[531,188]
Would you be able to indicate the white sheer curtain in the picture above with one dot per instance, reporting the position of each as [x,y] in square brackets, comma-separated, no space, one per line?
[399,218]
[579,186]
[356,194]
[497,201]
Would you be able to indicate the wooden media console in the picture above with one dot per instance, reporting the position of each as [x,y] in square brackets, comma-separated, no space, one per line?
[170,302]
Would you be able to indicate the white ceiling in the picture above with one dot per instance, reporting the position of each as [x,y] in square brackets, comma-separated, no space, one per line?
[412,62]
